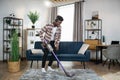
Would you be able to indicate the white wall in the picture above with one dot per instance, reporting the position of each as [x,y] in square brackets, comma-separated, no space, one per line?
[21,8]
[109,12]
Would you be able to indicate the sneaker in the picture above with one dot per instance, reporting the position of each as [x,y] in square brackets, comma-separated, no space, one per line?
[50,69]
[43,70]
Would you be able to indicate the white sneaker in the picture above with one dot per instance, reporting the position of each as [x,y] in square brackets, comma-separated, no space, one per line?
[43,70]
[50,69]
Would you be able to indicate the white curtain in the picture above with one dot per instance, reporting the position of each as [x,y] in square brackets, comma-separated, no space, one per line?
[67,12]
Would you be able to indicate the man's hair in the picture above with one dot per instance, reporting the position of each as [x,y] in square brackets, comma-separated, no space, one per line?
[59,18]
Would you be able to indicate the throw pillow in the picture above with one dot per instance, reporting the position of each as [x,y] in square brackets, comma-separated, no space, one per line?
[37,51]
[83,48]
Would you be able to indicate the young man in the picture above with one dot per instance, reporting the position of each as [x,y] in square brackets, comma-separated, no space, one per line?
[50,33]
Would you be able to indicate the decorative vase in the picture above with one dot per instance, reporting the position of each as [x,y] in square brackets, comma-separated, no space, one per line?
[33,26]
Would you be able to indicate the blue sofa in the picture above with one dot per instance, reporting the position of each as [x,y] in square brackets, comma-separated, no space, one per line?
[68,51]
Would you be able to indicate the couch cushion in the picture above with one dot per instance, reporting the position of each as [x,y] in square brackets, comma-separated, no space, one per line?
[69,47]
[73,57]
[37,51]
[38,45]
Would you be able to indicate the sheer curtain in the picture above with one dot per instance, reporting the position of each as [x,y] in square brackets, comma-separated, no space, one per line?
[78,22]
[67,12]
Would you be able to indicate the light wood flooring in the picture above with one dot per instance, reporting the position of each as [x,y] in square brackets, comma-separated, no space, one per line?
[99,69]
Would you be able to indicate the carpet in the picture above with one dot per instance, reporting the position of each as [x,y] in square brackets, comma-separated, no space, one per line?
[80,74]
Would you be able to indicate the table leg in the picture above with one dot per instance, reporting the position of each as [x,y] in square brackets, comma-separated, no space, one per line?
[101,55]
[97,54]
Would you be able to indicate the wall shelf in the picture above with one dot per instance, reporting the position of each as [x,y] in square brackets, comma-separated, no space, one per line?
[93,32]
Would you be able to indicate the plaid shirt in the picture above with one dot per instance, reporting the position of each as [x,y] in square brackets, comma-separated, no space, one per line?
[46,34]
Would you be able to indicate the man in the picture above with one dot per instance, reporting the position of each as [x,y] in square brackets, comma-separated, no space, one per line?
[50,33]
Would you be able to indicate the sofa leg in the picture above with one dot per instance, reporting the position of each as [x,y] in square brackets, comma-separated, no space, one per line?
[84,65]
[81,62]
[31,64]
[37,63]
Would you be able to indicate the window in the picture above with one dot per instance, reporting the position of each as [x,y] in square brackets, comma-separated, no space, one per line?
[67,12]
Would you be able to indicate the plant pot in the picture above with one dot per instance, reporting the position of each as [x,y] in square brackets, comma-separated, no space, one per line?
[13,66]
[33,26]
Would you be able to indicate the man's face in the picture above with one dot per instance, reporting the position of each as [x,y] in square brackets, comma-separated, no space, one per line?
[58,23]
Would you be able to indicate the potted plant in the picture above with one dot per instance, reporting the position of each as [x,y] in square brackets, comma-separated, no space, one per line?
[33,16]
[8,21]
[14,58]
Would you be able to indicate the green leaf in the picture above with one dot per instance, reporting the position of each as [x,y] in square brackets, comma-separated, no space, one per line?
[33,16]
[14,55]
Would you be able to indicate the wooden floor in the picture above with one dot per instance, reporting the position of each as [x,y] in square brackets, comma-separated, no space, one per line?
[99,69]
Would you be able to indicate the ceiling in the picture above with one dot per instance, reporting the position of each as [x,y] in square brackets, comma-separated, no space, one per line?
[57,1]
[62,2]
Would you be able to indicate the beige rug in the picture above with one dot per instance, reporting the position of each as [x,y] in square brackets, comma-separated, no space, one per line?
[112,76]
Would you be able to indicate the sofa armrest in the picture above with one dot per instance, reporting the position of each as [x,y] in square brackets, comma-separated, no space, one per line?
[28,53]
[87,54]
[30,56]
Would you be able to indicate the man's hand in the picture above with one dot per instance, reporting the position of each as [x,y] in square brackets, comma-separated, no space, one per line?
[44,45]
[56,47]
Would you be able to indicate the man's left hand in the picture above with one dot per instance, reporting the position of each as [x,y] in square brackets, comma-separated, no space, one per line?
[57,47]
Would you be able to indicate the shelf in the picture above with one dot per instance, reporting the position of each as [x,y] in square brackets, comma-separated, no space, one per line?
[93,20]
[93,32]
[10,29]
[7,40]
[10,23]
[93,29]
[7,28]
[15,25]
[6,51]
[13,18]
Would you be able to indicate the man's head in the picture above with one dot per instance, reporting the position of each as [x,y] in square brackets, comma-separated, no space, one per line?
[58,20]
